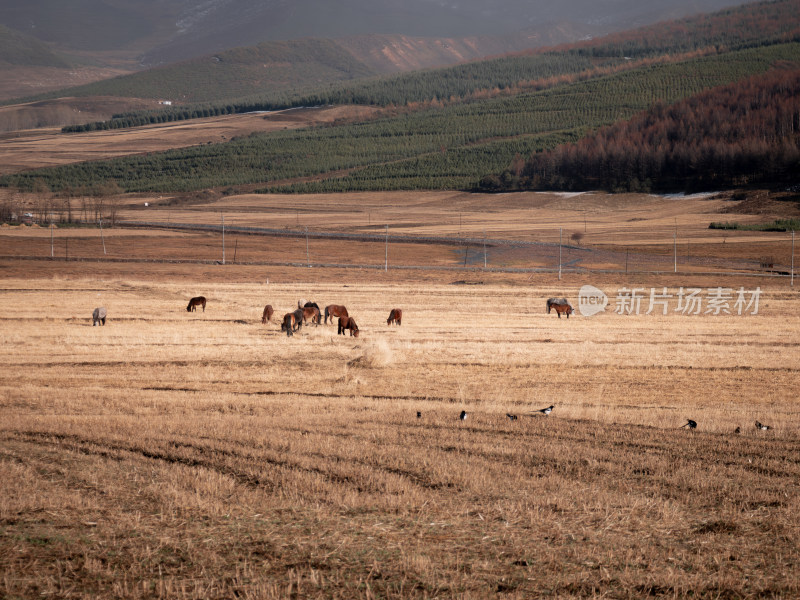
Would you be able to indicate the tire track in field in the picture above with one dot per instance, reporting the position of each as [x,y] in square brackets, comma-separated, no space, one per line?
[115,451]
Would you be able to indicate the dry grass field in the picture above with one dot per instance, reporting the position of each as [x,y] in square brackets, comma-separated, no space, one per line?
[24,147]
[206,455]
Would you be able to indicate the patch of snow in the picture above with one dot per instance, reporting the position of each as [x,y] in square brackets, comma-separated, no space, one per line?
[682,196]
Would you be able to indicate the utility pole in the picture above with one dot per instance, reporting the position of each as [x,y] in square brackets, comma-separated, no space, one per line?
[101,235]
[308,260]
[223,239]
[560,236]
[386,260]
[675,246]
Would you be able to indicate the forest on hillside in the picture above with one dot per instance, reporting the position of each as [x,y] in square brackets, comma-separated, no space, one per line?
[741,134]
[445,147]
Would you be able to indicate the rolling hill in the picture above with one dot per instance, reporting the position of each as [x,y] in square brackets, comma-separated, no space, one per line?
[113,36]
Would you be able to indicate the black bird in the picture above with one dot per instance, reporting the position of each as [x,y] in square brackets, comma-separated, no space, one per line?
[737,430]
[463,415]
[419,414]
[546,411]
[511,417]
[690,424]
[762,427]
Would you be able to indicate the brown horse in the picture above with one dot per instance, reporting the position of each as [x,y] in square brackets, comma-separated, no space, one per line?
[348,323]
[311,312]
[561,306]
[195,302]
[395,316]
[292,322]
[268,312]
[335,310]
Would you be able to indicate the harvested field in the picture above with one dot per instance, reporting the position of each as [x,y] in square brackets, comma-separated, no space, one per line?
[205,454]
[35,148]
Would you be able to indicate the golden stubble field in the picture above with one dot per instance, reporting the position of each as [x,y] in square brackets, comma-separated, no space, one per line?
[203,455]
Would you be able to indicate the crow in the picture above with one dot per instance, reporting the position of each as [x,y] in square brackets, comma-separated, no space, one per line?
[546,411]
[419,414]
[690,424]
[463,415]
[511,417]
[762,427]
[737,430]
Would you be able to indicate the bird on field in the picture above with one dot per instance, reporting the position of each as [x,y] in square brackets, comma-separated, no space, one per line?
[511,417]
[690,424]
[546,411]
[463,415]
[737,430]
[419,414]
[762,427]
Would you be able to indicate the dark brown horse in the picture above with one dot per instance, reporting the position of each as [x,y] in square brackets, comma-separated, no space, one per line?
[292,322]
[268,312]
[561,306]
[335,310]
[195,302]
[311,312]
[395,316]
[348,323]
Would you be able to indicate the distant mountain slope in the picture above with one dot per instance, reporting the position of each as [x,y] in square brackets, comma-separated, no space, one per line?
[165,31]
[273,66]
[216,24]
[19,49]
[249,79]
[93,24]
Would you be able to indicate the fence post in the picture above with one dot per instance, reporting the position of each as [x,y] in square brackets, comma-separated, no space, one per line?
[560,236]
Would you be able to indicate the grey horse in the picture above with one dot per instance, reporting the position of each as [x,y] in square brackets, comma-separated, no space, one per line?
[99,316]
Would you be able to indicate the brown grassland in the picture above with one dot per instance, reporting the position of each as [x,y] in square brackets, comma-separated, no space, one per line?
[205,455]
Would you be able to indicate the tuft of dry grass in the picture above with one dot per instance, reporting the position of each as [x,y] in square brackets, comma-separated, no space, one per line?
[376,353]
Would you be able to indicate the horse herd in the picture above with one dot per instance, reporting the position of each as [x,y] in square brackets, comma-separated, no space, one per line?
[310,312]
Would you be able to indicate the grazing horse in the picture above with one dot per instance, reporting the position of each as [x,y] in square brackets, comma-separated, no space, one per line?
[395,316]
[348,323]
[292,322]
[560,305]
[99,316]
[335,310]
[195,302]
[268,312]
[311,312]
